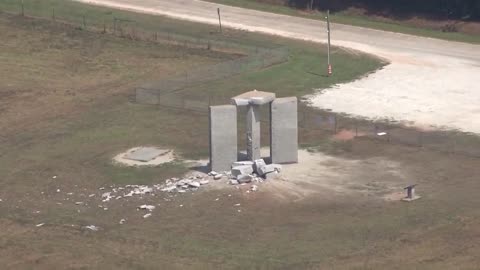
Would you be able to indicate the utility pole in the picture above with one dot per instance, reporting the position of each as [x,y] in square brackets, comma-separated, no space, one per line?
[219,19]
[328,32]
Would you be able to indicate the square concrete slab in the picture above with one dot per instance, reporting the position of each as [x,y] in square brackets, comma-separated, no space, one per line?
[145,154]
[253,98]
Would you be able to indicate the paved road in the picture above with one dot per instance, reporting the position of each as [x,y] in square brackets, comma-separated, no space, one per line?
[430,82]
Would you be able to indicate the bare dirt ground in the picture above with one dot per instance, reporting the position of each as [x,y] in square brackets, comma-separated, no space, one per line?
[429,82]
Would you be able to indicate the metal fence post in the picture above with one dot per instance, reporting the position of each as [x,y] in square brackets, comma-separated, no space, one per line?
[23,8]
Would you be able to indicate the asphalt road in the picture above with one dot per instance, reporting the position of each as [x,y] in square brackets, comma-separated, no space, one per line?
[429,82]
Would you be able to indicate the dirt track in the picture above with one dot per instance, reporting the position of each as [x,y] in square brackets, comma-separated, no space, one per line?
[429,82]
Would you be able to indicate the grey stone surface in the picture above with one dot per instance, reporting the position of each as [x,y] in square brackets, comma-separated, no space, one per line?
[266,169]
[253,132]
[244,169]
[244,178]
[240,163]
[253,98]
[223,137]
[284,130]
[145,154]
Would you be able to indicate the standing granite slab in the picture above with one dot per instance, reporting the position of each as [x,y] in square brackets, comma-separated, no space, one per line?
[284,130]
[223,137]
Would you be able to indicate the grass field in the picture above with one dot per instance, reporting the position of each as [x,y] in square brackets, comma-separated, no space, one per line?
[66,111]
[356,20]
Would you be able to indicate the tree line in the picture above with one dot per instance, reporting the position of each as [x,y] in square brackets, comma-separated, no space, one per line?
[436,9]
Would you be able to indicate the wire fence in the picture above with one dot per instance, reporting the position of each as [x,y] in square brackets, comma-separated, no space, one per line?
[169,93]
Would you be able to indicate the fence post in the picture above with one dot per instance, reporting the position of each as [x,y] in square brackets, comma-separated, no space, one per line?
[84,22]
[23,9]
[356,129]
[53,14]
[114,26]
[104,25]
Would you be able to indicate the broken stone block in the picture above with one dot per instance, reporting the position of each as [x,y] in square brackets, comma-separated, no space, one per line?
[258,164]
[244,178]
[218,177]
[242,163]
[194,184]
[233,182]
[244,169]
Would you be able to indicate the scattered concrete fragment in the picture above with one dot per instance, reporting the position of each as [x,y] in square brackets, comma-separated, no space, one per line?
[169,189]
[204,182]
[194,184]
[92,228]
[218,177]
[40,225]
[147,207]
[233,182]
[254,188]
[147,215]
[79,203]
[122,221]
[212,173]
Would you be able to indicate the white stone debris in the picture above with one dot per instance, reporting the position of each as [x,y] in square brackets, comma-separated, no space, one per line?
[70,193]
[218,176]
[237,204]
[254,188]
[204,182]
[79,203]
[58,190]
[106,196]
[194,184]
[54,177]
[212,173]
[233,182]
[40,225]
[91,195]
[122,221]
[92,228]
[147,215]
[147,207]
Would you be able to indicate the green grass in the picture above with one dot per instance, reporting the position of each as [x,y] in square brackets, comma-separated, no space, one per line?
[343,231]
[356,20]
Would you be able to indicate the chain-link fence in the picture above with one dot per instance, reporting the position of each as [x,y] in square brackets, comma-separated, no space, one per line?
[169,93]
[166,92]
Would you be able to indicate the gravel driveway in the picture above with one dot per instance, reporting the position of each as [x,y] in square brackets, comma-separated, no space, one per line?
[429,82]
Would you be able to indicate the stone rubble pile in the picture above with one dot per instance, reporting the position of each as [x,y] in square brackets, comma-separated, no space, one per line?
[248,171]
